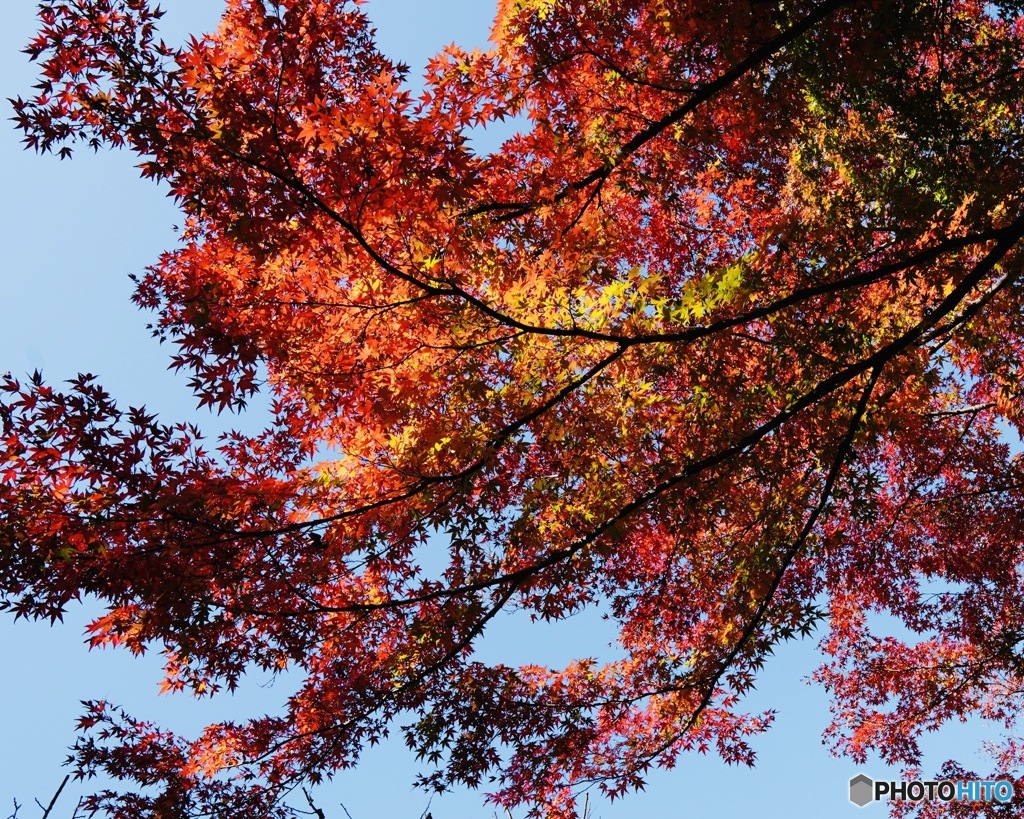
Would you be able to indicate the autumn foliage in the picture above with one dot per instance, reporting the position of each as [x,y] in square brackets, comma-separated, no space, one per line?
[725,343]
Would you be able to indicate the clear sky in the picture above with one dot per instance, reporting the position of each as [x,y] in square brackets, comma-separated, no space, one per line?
[71,233]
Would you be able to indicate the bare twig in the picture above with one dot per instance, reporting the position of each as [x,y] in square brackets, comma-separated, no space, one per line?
[53,801]
[312,805]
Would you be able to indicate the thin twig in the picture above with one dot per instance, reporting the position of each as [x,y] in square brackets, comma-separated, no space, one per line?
[53,801]
[312,805]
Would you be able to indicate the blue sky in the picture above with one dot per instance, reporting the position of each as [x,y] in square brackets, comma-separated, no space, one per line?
[71,233]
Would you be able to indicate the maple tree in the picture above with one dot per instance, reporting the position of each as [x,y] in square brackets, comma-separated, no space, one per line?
[724,343]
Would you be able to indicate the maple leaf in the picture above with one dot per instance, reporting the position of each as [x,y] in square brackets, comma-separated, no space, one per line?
[724,343]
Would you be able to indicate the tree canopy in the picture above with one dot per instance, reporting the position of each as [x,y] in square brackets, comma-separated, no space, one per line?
[725,343]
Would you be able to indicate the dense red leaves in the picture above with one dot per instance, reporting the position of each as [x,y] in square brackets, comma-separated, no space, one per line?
[726,343]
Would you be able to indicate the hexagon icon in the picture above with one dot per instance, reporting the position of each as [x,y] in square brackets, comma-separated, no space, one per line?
[862,790]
